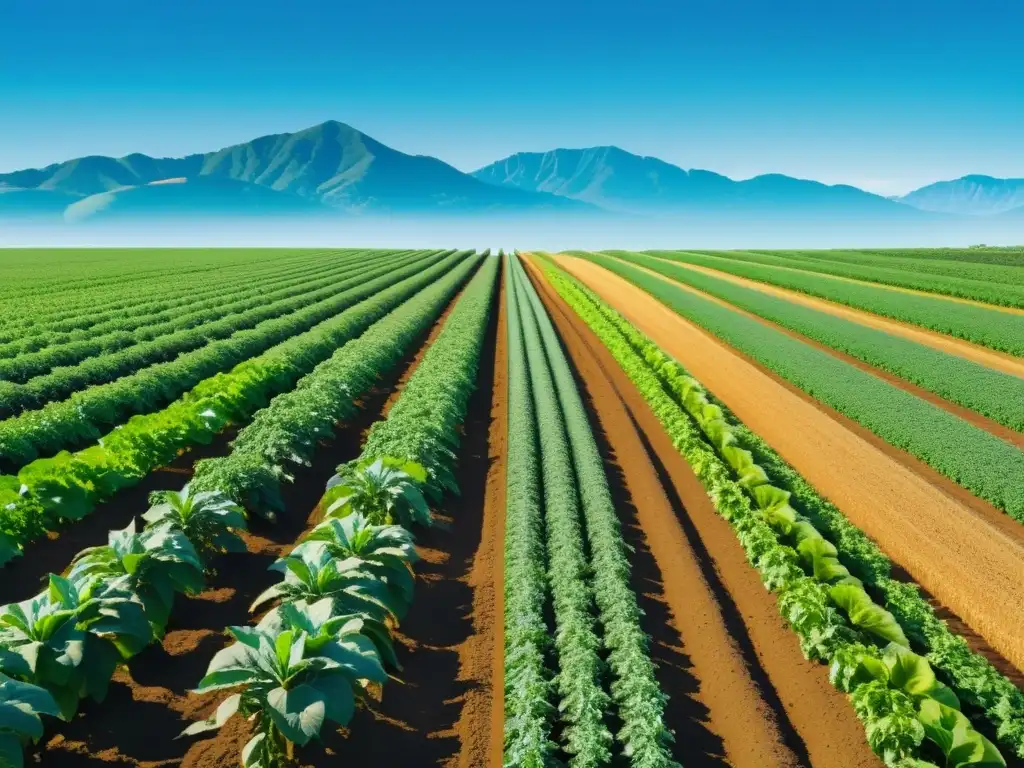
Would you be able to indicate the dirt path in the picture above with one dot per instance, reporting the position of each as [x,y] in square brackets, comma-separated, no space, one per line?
[1011,436]
[899,289]
[741,693]
[154,687]
[990,358]
[970,561]
[438,711]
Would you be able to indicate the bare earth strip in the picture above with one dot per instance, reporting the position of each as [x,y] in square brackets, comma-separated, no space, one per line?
[990,358]
[991,426]
[964,558]
[896,288]
[741,694]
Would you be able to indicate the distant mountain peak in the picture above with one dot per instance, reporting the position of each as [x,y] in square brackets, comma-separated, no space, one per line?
[974,195]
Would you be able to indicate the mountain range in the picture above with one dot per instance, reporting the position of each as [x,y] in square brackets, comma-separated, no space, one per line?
[333,170]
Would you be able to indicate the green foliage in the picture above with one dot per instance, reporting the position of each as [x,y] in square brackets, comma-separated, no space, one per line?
[209,520]
[385,489]
[21,704]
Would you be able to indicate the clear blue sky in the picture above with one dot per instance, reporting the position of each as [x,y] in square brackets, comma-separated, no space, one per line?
[885,94]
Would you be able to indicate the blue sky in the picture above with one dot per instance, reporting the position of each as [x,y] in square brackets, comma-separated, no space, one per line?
[884,94]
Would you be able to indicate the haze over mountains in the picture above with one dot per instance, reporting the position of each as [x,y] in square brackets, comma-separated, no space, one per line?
[334,172]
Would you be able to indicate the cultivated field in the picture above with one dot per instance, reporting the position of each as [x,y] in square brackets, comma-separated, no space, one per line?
[452,508]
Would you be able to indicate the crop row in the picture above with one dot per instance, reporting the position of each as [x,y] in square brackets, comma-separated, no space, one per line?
[68,486]
[909,715]
[81,308]
[348,582]
[288,431]
[595,610]
[975,459]
[900,262]
[148,320]
[884,272]
[82,416]
[101,366]
[1012,256]
[993,328]
[1000,396]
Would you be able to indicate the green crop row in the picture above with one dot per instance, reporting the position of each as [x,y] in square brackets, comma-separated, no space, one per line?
[964,287]
[155,321]
[81,417]
[977,460]
[1012,256]
[1000,396]
[639,701]
[76,307]
[129,353]
[993,328]
[68,486]
[893,690]
[354,569]
[288,431]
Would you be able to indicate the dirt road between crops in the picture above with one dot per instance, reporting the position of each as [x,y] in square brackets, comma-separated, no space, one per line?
[1011,436]
[990,358]
[969,561]
[741,693]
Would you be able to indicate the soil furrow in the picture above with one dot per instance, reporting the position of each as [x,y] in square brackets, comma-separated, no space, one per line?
[969,560]
[741,692]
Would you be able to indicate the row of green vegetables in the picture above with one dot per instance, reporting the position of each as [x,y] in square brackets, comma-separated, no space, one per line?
[989,327]
[909,715]
[568,520]
[975,459]
[343,586]
[993,284]
[79,302]
[38,381]
[69,485]
[348,583]
[129,326]
[82,417]
[951,263]
[1000,396]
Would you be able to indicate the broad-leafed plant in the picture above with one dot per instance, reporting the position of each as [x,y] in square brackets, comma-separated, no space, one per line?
[70,638]
[385,491]
[209,519]
[155,564]
[387,551]
[312,573]
[293,684]
[21,705]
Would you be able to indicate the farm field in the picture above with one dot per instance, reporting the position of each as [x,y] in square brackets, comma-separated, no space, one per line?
[443,507]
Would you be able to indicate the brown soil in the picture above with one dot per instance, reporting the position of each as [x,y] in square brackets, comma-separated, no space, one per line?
[439,709]
[741,692]
[973,417]
[969,560]
[149,702]
[991,358]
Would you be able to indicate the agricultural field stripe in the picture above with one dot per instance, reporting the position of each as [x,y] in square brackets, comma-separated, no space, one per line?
[77,312]
[68,486]
[1000,330]
[529,691]
[81,417]
[184,310]
[638,698]
[98,366]
[994,394]
[906,280]
[978,461]
[970,673]
[288,431]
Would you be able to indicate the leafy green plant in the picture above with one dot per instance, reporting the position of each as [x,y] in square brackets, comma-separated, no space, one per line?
[385,490]
[208,519]
[292,686]
[21,705]
[154,564]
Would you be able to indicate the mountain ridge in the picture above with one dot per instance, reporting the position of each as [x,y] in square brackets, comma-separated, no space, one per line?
[971,195]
